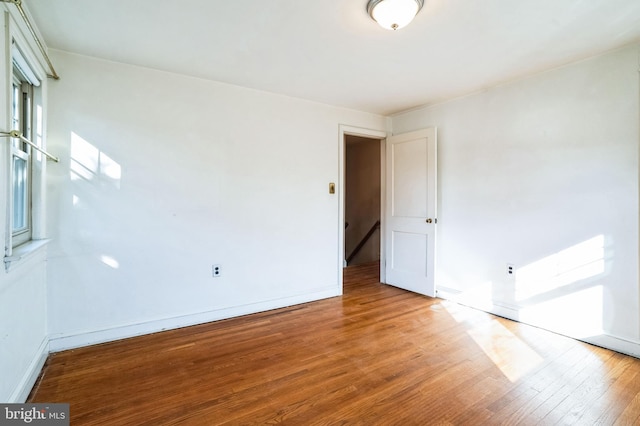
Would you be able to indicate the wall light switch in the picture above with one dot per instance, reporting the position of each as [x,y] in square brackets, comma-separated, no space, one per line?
[332,188]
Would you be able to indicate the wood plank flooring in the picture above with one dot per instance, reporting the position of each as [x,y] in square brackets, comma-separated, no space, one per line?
[376,356]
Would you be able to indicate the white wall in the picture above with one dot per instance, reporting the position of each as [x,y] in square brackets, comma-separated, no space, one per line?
[543,173]
[23,333]
[23,312]
[164,175]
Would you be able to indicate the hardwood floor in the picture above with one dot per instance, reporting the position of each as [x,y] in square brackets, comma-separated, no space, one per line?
[376,356]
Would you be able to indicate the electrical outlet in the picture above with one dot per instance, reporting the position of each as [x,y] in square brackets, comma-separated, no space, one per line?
[511,269]
[216,271]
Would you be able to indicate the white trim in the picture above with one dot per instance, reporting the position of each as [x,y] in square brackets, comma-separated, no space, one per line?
[27,48]
[22,390]
[20,32]
[24,252]
[23,66]
[71,341]
[19,45]
[26,257]
[344,130]
[614,343]
[383,210]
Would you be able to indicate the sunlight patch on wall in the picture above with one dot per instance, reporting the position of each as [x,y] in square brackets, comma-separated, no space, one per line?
[578,314]
[110,261]
[89,163]
[507,351]
[479,296]
[579,262]
[84,159]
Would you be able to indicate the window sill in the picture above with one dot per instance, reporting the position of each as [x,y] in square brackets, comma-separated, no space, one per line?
[24,252]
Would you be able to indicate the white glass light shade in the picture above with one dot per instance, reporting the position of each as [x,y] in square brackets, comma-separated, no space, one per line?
[394,14]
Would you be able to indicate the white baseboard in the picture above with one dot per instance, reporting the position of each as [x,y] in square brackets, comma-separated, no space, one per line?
[64,342]
[608,341]
[615,343]
[21,392]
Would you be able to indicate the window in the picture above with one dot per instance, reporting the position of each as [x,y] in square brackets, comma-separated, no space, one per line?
[21,159]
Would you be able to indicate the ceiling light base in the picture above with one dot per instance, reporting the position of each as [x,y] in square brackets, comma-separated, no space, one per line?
[393,14]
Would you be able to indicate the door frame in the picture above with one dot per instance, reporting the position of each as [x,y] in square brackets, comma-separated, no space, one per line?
[380,135]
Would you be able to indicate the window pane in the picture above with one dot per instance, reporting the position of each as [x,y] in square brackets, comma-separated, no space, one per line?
[21,116]
[15,108]
[20,194]
[15,112]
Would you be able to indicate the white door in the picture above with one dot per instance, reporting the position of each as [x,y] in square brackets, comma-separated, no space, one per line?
[410,231]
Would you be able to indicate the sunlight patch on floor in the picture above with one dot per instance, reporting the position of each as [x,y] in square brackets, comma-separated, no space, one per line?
[462,313]
[506,350]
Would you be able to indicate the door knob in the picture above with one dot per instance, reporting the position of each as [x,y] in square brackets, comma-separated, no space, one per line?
[429,220]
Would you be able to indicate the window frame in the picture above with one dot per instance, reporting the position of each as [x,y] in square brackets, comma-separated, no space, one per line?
[23,65]
[21,120]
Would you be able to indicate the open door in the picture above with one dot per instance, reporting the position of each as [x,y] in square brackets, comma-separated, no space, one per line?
[410,232]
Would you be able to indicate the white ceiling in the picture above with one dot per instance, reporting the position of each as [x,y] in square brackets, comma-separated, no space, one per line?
[331,51]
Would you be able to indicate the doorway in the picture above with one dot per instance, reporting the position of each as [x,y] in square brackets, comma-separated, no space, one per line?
[407,208]
[363,208]
[372,138]
[362,212]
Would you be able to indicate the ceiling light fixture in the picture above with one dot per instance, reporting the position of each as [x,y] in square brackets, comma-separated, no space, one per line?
[394,14]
